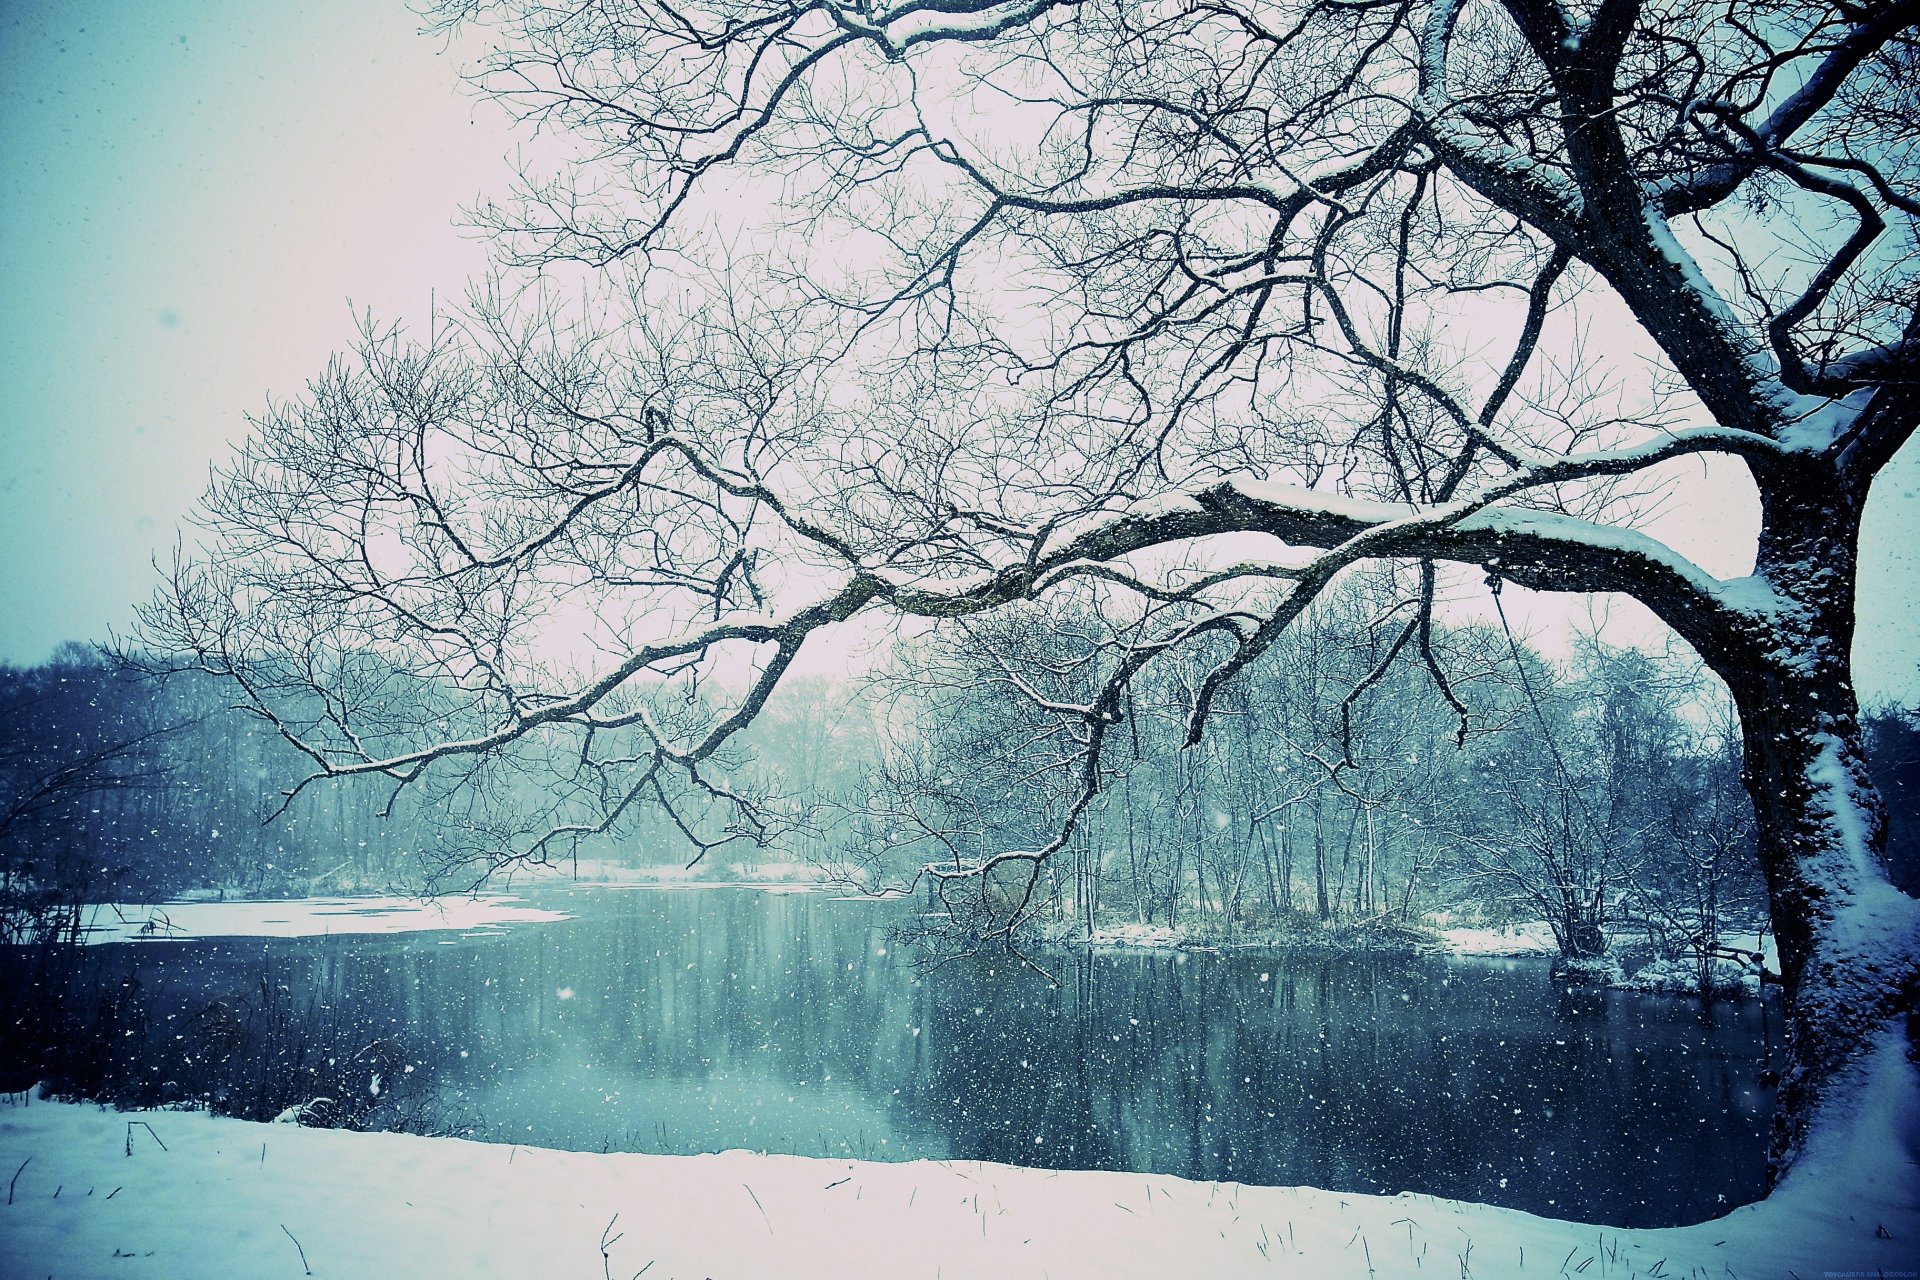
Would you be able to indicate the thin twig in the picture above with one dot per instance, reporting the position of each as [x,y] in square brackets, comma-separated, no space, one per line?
[761,1207]
[608,1238]
[150,1133]
[303,1253]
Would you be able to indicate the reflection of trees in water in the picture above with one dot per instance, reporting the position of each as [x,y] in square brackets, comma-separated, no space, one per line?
[243,1029]
[1350,1074]
[681,1020]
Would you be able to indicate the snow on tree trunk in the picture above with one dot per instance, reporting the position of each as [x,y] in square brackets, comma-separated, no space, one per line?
[1849,942]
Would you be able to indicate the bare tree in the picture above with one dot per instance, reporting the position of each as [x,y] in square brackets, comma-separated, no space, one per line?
[1589,784]
[77,738]
[1707,881]
[1046,290]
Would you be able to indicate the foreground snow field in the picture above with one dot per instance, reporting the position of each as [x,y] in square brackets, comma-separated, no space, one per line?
[95,1193]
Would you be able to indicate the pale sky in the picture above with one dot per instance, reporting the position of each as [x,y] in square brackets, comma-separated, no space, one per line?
[195,191]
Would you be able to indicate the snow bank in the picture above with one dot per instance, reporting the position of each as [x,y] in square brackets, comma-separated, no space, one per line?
[1534,939]
[1681,976]
[97,1194]
[1293,939]
[1150,936]
[1670,976]
[304,917]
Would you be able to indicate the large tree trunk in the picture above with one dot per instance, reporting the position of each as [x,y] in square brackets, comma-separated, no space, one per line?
[1849,941]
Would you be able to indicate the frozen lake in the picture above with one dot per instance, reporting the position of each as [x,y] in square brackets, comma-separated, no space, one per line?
[701,1020]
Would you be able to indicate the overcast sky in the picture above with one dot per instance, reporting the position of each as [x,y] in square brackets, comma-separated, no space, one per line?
[193,194]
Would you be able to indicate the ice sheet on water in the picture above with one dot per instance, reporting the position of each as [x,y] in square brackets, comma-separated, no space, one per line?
[305,917]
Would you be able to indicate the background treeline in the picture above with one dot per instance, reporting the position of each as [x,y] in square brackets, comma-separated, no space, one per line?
[118,784]
[1345,783]
[1335,788]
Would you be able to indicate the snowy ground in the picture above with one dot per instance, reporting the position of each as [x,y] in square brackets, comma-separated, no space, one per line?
[304,917]
[1159,937]
[1150,936]
[1678,977]
[96,1194]
[1535,939]
[1511,940]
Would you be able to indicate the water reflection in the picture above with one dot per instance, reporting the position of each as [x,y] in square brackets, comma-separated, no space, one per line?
[700,1021]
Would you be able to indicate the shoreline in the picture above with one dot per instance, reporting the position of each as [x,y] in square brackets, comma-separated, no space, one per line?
[199,916]
[1651,976]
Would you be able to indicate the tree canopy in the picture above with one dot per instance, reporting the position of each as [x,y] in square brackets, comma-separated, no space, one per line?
[938,306]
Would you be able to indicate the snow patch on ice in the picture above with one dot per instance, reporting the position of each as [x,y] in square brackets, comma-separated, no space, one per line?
[304,917]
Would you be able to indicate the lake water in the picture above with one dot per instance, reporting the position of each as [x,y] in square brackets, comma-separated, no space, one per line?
[707,1019]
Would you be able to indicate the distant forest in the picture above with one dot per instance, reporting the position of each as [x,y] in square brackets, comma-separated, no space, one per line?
[1344,781]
